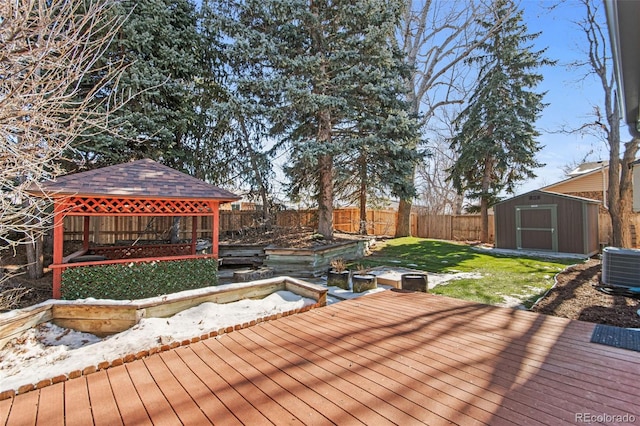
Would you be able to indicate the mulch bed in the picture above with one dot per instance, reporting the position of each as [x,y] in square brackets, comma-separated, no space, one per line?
[575,296]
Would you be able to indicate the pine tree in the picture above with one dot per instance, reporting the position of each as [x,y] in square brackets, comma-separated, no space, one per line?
[377,157]
[496,142]
[158,43]
[303,61]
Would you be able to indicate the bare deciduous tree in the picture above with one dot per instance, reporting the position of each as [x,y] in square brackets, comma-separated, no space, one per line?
[48,51]
[436,193]
[436,37]
[619,191]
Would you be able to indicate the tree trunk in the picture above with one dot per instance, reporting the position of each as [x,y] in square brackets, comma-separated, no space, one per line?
[620,189]
[620,193]
[35,257]
[363,195]
[403,225]
[174,235]
[325,178]
[325,196]
[484,200]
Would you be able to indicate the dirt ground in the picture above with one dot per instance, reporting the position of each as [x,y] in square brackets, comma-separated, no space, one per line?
[574,296]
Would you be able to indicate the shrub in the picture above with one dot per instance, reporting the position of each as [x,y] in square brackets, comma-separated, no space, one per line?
[125,281]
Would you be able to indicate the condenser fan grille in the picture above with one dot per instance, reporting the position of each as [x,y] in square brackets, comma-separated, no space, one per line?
[620,267]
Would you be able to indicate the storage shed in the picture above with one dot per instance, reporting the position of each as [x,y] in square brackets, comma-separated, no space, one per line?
[541,220]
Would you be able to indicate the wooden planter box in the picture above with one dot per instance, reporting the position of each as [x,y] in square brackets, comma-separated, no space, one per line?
[104,317]
[311,262]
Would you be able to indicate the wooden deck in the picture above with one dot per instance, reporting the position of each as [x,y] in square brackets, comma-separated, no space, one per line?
[387,358]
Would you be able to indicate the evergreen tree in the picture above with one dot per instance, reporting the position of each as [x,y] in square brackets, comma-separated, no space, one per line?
[496,143]
[232,151]
[303,62]
[378,133]
[158,44]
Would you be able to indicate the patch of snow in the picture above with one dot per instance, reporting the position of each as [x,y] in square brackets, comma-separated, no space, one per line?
[47,351]
[338,294]
[511,302]
[434,279]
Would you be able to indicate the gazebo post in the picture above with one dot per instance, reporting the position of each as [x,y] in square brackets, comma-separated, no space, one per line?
[58,246]
[215,228]
[194,233]
[85,234]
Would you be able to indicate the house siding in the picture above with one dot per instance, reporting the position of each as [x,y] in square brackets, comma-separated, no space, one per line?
[592,182]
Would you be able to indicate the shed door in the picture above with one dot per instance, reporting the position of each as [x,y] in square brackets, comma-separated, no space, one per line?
[536,227]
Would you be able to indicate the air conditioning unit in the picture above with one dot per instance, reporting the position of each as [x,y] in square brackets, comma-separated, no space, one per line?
[620,267]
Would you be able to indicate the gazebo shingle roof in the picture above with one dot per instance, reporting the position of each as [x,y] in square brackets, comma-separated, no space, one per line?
[137,179]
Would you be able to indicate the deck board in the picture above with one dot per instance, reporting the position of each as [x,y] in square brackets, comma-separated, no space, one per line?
[440,354]
[103,403]
[390,401]
[77,406]
[181,402]
[202,362]
[387,358]
[155,403]
[5,409]
[205,399]
[266,382]
[248,390]
[51,406]
[269,365]
[130,406]
[417,377]
[24,410]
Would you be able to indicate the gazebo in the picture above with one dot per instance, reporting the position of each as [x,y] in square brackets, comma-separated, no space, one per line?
[138,188]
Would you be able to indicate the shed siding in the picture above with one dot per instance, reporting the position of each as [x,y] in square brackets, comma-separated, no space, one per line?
[576,227]
[570,226]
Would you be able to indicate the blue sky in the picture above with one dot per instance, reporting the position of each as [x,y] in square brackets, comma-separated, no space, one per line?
[571,96]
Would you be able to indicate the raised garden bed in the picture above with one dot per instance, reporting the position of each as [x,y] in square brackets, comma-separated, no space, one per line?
[231,254]
[312,261]
[104,317]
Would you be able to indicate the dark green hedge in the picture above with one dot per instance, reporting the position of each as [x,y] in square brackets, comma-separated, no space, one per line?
[137,280]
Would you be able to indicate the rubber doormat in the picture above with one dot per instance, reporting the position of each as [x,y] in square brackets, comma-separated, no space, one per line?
[617,337]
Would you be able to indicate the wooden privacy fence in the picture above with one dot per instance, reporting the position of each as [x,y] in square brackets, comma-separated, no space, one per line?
[109,230]
[449,227]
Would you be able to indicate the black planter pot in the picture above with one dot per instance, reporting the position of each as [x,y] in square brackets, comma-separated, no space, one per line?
[415,282]
[338,279]
[363,282]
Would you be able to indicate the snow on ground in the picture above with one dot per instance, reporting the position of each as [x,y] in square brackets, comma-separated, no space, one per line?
[47,351]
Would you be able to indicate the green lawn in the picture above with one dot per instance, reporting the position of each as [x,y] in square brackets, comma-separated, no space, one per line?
[503,277]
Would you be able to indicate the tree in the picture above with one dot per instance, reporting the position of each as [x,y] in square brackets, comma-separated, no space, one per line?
[159,42]
[233,150]
[620,188]
[48,49]
[436,39]
[496,143]
[378,133]
[435,190]
[303,60]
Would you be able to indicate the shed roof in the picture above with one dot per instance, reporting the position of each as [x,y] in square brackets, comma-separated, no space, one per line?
[137,179]
[553,194]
